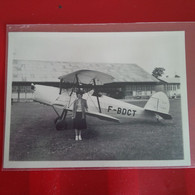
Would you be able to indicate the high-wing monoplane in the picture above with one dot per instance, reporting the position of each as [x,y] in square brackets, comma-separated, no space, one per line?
[100,106]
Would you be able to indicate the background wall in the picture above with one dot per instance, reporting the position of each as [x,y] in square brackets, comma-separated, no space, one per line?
[129,181]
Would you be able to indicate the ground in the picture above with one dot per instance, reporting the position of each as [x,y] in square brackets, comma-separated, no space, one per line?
[33,137]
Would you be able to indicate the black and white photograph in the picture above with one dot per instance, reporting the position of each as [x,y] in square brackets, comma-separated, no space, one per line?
[96,99]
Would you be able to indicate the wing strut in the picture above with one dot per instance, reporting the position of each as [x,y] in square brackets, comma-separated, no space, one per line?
[55,110]
[100,111]
[77,81]
[60,86]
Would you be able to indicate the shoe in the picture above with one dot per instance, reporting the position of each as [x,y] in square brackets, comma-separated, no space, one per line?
[77,138]
[80,138]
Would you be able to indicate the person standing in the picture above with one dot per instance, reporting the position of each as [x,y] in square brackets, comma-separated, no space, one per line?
[79,115]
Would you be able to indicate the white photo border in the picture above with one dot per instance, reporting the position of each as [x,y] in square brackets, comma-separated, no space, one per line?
[93,164]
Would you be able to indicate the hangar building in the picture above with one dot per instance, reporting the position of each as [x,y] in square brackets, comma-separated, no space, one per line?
[131,81]
[171,86]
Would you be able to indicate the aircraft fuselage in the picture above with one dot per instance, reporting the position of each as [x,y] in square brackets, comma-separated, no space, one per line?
[116,108]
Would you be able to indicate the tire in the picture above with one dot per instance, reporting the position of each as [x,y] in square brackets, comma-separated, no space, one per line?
[61,125]
[56,120]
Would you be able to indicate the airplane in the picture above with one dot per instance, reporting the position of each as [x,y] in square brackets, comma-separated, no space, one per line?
[100,106]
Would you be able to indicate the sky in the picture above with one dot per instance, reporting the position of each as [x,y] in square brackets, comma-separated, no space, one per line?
[147,49]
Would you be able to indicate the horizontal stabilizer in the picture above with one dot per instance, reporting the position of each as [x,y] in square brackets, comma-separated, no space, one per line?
[163,115]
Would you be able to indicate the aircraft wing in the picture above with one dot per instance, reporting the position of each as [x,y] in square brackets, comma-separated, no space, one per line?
[44,103]
[102,116]
[86,76]
[94,114]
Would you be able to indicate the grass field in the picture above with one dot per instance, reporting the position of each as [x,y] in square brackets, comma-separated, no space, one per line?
[33,137]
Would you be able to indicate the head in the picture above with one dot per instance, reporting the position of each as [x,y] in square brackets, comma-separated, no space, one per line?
[79,94]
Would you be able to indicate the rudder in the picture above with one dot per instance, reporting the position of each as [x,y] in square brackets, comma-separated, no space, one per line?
[159,103]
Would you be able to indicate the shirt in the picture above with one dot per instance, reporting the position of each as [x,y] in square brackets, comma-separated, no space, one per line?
[79,106]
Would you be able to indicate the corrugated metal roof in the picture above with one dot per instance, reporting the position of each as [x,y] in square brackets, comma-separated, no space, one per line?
[48,71]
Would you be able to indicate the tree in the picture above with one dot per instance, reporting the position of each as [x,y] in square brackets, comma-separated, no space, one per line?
[158,72]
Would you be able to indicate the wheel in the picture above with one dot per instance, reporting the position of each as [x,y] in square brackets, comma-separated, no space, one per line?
[58,118]
[61,125]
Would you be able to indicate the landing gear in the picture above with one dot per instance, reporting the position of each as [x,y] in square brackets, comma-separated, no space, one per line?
[60,121]
[61,125]
[158,118]
[57,119]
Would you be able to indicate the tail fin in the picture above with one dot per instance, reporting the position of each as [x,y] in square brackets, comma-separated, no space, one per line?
[159,104]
